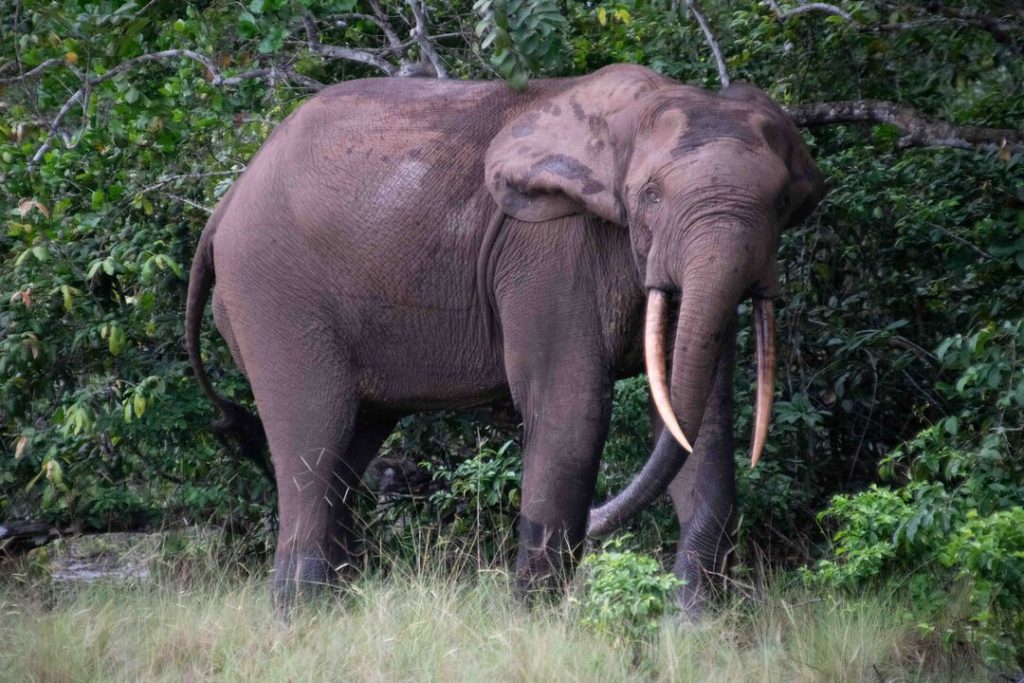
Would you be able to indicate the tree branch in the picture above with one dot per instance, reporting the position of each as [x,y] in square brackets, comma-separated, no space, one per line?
[37,71]
[347,53]
[804,8]
[1001,31]
[419,32]
[716,50]
[382,20]
[918,130]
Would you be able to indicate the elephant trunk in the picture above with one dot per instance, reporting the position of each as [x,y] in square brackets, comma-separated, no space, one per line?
[706,309]
[708,303]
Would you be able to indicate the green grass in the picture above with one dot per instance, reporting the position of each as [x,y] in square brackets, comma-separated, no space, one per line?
[197,620]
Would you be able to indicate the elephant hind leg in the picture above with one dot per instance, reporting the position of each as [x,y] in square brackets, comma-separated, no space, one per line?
[309,443]
[308,404]
[367,436]
[318,489]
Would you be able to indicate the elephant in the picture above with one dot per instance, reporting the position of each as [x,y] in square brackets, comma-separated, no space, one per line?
[402,245]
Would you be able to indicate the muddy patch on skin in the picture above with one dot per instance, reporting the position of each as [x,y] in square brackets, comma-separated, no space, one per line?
[570,169]
[525,126]
[704,126]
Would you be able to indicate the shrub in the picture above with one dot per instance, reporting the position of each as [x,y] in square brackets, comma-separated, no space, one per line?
[625,593]
[954,507]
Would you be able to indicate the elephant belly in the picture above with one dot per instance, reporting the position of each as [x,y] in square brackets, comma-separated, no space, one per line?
[413,359]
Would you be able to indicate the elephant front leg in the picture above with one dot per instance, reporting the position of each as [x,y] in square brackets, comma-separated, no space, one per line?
[565,428]
[704,496]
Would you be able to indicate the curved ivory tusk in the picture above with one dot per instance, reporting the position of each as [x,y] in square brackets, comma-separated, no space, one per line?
[654,355]
[764,326]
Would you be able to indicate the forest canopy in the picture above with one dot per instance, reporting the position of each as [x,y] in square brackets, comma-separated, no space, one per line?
[897,443]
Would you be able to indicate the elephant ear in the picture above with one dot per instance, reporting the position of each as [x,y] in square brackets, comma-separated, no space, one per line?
[563,155]
[807,185]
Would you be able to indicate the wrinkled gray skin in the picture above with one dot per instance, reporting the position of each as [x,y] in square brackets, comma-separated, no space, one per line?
[399,246]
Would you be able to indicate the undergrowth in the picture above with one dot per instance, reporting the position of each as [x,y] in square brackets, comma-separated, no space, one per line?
[204,615]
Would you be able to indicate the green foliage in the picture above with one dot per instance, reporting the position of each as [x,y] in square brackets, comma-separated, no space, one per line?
[625,593]
[523,36]
[957,514]
[490,479]
[97,403]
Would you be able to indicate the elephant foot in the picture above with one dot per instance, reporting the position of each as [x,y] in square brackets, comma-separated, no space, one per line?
[299,578]
[690,601]
[694,596]
[543,567]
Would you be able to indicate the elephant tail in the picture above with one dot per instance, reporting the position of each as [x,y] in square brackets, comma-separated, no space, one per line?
[238,429]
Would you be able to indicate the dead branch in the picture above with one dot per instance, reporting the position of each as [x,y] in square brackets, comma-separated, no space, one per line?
[918,130]
[19,536]
[382,20]
[37,71]
[1001,31]
[419,32]
[346,53]
[804,8]
[716,50]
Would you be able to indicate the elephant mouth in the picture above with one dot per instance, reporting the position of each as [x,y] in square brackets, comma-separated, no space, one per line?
[655,356]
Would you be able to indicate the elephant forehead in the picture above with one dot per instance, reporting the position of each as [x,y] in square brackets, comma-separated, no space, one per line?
[704,125]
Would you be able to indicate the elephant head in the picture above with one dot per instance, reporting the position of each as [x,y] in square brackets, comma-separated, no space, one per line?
[703,182]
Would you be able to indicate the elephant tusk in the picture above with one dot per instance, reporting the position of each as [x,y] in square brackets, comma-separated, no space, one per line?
[654,355]
[764,326]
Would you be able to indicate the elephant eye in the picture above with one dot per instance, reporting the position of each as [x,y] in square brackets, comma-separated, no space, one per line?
[652,195]
[782,202]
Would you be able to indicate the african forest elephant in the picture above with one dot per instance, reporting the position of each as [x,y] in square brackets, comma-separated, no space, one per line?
[407,245]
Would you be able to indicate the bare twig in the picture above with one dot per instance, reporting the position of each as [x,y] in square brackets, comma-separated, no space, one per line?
[1002,31]
[185,176]
[340,52]
[37,71]
[189,202]
[716,50]
[804,8]
[918,130]
[382,20]
[419,32]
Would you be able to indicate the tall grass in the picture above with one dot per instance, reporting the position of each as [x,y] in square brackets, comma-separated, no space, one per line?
[199,620]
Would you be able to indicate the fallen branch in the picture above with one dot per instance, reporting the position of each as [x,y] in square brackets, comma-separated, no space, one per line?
[918,130]
[716,50]
[341,52]
[382,20]
[19,536]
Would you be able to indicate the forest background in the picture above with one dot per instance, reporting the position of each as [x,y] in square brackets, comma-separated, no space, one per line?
[898,434]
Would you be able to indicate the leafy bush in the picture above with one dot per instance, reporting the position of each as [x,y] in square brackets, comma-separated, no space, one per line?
[957,515]
[625,593]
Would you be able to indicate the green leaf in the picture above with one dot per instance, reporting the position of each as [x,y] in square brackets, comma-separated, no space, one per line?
[138,404]
[115,340]
[952,425]
[273,41]
[247,25]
